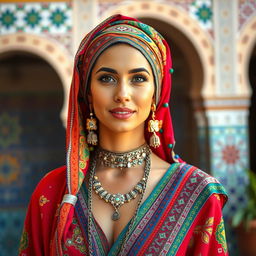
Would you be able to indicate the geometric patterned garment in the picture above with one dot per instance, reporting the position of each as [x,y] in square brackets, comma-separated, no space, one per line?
[182,216]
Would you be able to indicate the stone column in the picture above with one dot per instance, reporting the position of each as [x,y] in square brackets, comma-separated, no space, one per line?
[85,18]
[227,112]
[225,14]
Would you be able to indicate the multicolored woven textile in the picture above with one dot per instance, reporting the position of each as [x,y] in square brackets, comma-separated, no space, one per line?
[167,221]
[182,216]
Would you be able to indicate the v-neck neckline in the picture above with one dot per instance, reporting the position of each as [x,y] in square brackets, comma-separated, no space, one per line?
[143,208]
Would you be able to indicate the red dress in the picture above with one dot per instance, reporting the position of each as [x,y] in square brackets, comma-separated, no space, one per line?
[182,216]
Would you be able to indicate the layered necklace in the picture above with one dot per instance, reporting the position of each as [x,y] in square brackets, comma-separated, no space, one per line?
[113,160]
[121,160]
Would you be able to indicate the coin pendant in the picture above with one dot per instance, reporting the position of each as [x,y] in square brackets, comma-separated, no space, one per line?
[116,216]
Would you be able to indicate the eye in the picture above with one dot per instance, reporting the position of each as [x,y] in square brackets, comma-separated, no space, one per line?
[106,79]
[139,79]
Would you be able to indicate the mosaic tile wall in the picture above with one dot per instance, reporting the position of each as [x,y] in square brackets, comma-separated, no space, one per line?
[32,142]
[52,19]
[247,9]
[35,18]
[32,138]
[20,170]
[11,224]
[229,162]
[201,10]
[229,158]
[229,146]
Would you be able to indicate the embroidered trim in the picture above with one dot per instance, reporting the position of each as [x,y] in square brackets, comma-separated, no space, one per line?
[77,239]
[220,235]
[205,230]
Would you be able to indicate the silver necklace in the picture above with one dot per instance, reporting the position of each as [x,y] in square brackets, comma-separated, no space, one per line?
[117,200]
[122,159]
[90,188]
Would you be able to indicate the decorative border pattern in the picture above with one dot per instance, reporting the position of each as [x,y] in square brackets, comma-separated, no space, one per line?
[247,10]
[55,18]
[199,10]
[202,12]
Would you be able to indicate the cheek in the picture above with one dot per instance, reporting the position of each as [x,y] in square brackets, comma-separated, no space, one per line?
[98,103]
[146,99]
[101,101]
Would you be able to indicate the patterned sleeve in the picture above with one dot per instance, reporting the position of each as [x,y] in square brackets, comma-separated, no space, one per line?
[31,239]
[42,215]
[208,237]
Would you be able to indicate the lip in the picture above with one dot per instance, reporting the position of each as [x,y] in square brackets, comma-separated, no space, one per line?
[122,113]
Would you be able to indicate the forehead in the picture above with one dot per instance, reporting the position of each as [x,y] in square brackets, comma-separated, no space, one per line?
[122,56]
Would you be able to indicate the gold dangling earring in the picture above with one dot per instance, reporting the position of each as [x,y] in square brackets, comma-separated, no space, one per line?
[91,126]
[154,126]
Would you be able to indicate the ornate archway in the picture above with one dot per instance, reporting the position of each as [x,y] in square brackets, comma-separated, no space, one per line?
[246,68]
[189,27]
[50,51]
[245,45]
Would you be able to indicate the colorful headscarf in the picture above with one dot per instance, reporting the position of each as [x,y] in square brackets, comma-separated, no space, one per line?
[116,29]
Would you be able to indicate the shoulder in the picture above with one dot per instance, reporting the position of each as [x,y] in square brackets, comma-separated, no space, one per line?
[42,212]
[51,186]
[190,171]
[192,176]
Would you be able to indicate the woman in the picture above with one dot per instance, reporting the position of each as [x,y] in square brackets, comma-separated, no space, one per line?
[131,195]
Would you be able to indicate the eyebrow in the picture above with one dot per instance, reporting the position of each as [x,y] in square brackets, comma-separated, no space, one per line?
[111,70]
[137,70]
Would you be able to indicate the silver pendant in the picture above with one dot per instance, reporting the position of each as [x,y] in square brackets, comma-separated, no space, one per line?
[116,216]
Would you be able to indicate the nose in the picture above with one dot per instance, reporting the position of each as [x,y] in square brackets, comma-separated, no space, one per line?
[122,92]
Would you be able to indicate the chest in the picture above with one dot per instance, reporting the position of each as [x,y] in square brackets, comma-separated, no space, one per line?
[103,215]
[103,211]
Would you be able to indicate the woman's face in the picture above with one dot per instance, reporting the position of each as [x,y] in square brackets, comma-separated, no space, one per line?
[122,89]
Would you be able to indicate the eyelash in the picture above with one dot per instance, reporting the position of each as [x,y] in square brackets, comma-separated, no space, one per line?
[141,78]
[135,79]
[103,79]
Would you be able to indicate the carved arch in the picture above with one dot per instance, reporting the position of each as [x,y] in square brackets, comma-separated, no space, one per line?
[48,50]
[188,26]
[245,45]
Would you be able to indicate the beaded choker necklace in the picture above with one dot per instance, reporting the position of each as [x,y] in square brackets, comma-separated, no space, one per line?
[123,159]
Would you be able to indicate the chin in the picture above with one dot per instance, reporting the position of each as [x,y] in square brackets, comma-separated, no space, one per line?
[118,127]
[122,128]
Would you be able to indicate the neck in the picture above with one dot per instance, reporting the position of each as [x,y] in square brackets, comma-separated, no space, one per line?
[121,141]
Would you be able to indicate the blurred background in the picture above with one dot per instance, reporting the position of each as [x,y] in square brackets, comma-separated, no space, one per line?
[213,100]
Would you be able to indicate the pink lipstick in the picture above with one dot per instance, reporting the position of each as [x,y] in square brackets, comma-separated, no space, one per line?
[121,113]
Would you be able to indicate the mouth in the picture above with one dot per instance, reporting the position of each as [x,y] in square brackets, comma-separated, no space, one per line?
[122,113]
